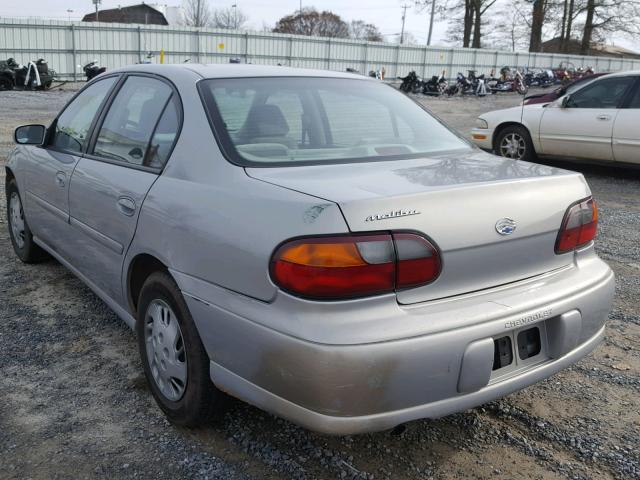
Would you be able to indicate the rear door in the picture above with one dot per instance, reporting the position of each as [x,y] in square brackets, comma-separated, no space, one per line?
[626,130]
[130,146]
[584,129]
[49,168]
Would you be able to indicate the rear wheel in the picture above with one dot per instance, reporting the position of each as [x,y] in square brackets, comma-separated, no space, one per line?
[175,362]
[6,83]
[19,231]
[515,142]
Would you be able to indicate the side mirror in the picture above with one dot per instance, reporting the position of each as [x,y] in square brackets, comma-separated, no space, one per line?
[30,134]
[565,102]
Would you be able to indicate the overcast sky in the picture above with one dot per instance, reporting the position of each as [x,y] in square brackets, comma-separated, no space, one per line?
[386,14]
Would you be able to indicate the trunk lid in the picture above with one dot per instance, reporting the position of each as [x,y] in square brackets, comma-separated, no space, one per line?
[457,202]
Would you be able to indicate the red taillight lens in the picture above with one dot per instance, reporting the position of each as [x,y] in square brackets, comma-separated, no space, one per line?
[418,260]
[579,226]
[355,265]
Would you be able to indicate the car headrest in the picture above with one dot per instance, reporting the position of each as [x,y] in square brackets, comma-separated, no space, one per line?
[266,121]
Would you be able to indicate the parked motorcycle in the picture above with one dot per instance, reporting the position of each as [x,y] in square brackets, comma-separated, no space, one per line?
[93,69]
[539,78]
[511,80]
[33,75]
[412,83]
[436,86]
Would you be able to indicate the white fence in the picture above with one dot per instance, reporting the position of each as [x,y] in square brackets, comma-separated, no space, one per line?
[68,44]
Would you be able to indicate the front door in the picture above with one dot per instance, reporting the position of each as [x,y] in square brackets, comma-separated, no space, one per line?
[48,168]
[110,183]
[584,127]
[626,131]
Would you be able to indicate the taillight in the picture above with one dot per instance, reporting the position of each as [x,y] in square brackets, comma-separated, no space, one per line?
[579,226]
[352,266]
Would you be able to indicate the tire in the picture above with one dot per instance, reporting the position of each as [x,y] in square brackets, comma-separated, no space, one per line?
[6,83]
[19,231]
[175,362]
[515,142]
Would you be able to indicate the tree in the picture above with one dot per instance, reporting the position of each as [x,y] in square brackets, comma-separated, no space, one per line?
[512,27]
[538,17]
[360,30]
[196,13]
[467,28]
[604,17]
[231,18]
[311,22]
[408,39]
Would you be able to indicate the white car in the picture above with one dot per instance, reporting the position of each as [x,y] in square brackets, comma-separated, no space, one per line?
[600,121]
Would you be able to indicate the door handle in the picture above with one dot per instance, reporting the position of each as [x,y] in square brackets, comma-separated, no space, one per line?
[61,179]
[604,117]
[126,206]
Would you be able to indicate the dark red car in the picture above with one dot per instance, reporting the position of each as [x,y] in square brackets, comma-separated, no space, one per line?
[560,91]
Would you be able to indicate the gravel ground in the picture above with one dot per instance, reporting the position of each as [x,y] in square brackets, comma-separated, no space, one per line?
[74,403]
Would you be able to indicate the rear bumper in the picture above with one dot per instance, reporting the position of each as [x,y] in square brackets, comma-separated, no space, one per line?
[338,425]
[353,387]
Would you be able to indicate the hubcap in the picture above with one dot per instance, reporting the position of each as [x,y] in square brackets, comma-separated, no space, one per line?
[165,350]
[17,219]
[513,146]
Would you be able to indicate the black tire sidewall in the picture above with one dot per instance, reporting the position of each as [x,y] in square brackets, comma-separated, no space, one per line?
[200,394]
[529,154]
[30,252]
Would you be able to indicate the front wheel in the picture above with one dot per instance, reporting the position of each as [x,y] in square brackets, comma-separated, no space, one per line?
[175,362]
[515,142]
[19,231]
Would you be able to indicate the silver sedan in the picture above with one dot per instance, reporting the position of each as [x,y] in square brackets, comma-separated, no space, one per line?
[313,243]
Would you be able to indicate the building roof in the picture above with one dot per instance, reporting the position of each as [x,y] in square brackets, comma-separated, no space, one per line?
[597,49]
[140,13]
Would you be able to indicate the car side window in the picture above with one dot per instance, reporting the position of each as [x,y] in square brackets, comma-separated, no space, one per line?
[164,136]
[605,93]
[126,131]
[71,129]
[635,100]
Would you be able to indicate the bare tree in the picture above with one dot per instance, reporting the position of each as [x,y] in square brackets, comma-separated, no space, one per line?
[232,18]
[511,27]
[361,30]
[538,18]
[466,19]
[196,13]
[605,17]
[311,22]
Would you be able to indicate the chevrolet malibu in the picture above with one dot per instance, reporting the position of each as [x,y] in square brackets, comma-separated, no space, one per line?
[596,121]
[313,243]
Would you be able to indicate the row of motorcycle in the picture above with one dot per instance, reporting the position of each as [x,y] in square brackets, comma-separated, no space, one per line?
[509,80]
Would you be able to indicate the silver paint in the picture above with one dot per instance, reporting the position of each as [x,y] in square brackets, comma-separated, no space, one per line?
[345,366]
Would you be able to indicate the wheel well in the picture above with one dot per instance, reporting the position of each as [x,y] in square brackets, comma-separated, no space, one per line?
[140,268]
[8,177]
[501,127]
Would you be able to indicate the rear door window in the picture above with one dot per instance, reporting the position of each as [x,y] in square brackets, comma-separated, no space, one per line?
[635,100]
[71,129]
[605,93]
[126,131]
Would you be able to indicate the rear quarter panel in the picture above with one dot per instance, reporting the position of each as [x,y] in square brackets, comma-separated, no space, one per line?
[205,218]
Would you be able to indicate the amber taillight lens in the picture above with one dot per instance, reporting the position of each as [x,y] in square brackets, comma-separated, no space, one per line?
[579,226]
[350,266]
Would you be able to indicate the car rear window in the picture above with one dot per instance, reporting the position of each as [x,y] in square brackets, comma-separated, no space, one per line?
[274,121]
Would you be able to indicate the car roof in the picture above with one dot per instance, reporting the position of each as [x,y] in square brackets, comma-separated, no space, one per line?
[235,70]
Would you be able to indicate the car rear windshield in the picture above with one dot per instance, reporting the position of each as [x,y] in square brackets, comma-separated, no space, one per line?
[274,121]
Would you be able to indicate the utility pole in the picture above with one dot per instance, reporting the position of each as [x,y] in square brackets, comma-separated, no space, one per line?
[97,4]
[404,15]
[433,12]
